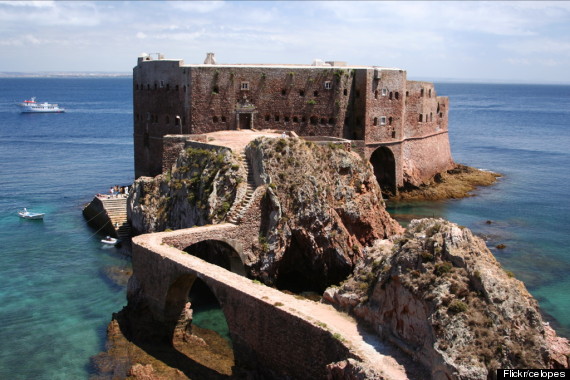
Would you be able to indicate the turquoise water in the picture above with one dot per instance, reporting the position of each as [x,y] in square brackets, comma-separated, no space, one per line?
[56,298]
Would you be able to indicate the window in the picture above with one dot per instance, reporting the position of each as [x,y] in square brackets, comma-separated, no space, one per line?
[301,93]
[314,120]
[384,91]
[216,90]
[422,92]
[376,94]
[429,93]
[316,93]
[283,92]
[397,95]
[244,86]
[421,117]
[375,122]
[390,96]
[223,119]
[295,119]
[383,120]
[161,84]
[215,119]
[328,85]
[286,119]
[323,120]
[345,92]
[266,117]
[331,120]
[276,117]
[390,120]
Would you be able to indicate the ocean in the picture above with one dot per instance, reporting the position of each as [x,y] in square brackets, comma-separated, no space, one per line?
[57,284]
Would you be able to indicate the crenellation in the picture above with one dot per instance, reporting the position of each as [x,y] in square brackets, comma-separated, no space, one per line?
[362,103]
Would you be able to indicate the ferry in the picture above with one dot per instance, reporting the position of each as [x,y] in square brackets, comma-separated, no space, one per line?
[31,105]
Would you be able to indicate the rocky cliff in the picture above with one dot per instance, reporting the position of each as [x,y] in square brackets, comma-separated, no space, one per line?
[323,205]
[440,295]
[199,189]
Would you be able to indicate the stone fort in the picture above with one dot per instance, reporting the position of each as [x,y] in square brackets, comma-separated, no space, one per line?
[399,125]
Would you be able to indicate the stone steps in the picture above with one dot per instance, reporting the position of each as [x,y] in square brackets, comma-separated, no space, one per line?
[238,212]
[116,209]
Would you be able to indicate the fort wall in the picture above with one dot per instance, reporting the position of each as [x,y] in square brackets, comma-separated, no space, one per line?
[376,105]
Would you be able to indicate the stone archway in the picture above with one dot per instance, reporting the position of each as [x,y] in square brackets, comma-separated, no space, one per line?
[384,164]
[219,253]
[194,314]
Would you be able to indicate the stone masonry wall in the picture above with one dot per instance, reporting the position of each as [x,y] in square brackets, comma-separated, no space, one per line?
[265,336]
[379,106]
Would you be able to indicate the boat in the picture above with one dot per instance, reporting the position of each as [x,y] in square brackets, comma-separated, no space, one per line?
[25,214]
[31,106]
[110,240]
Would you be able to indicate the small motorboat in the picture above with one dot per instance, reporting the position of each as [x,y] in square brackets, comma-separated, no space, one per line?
[25,214]
[31,106]
[110,240]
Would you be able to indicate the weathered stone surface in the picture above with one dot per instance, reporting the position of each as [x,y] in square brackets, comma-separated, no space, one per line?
[199,189]
[441,296]
[322,206]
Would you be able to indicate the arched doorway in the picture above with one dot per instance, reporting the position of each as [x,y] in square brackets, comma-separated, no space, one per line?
[384,165]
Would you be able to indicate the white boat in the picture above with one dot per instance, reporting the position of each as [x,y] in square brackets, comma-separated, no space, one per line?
[30,215]
[110,240]
[31,106]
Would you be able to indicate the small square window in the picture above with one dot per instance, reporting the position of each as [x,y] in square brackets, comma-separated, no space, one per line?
[383,120]
[384,91]
[244,86]
[328,85]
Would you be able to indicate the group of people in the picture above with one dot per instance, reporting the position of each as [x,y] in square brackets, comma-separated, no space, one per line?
[115,191]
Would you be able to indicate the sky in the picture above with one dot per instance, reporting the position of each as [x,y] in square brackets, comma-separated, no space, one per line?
[525,42]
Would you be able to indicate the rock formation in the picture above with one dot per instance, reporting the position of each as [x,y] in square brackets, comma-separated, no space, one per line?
[440,295]
[322,207]
[436,291]
[199,190]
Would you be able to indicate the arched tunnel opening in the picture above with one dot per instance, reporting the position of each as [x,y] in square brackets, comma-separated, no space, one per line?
[299,271]
[384,165]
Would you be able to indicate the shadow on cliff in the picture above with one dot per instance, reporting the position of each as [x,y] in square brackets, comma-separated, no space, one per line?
[414,370]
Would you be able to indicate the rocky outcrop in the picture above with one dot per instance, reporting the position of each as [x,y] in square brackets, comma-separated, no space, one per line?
[200,189]
[322,206]
[441,296]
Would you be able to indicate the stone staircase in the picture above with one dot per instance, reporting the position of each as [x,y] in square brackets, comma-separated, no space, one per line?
[239,210]
[117,212]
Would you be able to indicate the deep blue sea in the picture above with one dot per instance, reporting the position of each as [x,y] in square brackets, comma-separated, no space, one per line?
[56,298]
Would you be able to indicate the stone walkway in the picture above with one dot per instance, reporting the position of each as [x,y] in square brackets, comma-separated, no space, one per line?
[381,357]
[237,140]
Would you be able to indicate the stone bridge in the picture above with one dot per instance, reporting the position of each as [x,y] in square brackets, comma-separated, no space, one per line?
[279,334]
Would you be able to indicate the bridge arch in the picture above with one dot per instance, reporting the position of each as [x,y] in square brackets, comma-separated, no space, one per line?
[223,253]
[193,307]
[384,164]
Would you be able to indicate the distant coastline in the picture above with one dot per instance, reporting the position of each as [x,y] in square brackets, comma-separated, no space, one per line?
[66,75]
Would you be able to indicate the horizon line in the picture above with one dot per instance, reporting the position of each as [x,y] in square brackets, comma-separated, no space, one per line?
[125,74]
